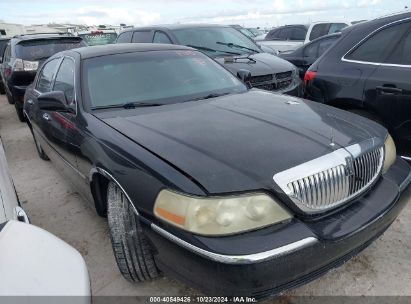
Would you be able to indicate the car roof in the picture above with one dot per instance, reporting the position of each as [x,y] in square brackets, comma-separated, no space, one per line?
[111,49]
[176,26]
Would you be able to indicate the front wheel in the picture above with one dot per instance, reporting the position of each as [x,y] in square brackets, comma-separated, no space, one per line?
[133,253]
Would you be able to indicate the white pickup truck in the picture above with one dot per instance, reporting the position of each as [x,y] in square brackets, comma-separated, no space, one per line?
[291,37]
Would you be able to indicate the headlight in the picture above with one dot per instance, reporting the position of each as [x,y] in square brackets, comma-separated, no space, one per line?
[390,153]
[218,216]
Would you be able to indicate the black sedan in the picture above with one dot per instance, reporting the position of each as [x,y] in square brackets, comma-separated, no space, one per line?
[236,191]
[306,55]
[368,72]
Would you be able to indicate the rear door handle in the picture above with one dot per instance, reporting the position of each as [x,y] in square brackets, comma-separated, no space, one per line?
[389,90]
[46,117]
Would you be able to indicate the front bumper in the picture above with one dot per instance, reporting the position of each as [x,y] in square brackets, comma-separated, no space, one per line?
[269,261]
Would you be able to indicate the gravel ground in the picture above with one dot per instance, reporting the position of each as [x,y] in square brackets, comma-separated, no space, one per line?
[383,269]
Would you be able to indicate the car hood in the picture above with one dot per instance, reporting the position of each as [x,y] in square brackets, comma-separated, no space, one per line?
[264,64]
[238,142]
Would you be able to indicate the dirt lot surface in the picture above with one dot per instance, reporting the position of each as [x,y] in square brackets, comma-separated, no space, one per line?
[384,268]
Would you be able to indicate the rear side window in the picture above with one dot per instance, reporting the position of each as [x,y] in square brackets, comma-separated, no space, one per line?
[65,80]
[124,37]
[273,35]
[326,44]
[336,27]
[319,30]
[142,37]
[161,37]
[46,76]
[402,53]
[377,47]
[41,49]
[298,33]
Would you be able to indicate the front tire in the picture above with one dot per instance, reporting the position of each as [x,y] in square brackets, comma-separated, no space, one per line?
[131,249]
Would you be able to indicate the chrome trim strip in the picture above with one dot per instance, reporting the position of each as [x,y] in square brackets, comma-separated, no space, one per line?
[238,259]
[110,177]
[406,182]
[406,158]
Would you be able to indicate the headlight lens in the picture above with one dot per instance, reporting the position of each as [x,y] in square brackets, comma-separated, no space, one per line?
[390,153]
[219,216]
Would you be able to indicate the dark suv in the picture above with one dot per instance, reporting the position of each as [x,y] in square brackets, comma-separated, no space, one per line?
[368,71]
[228,47]
[3,43]
[22,57]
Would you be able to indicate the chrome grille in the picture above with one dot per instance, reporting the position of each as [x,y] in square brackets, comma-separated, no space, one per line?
[350,174]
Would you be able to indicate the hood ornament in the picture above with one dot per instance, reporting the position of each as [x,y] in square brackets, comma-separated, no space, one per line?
[332,143]
[292,102]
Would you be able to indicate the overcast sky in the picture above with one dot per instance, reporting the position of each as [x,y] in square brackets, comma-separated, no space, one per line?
[264,13]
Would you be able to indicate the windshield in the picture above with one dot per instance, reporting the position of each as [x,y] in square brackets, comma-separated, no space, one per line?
[160,77]
[212,37]
[34,50]
[99,38]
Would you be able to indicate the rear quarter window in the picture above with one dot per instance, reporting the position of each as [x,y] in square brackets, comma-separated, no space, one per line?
[379,45]
[142,37]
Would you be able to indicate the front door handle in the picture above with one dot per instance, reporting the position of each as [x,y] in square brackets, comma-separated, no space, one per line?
[46,117]
[385,90]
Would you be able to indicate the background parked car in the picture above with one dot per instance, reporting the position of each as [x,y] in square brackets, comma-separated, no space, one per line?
[34,262]
[3,43]
[98,37]
[22,57]
[230,48]
[290,37]
[306,55]
[368,71]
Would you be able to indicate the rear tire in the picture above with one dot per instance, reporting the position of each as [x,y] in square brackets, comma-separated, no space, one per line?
[9,98]
[20,113]
[2,90]
[39,149]
[132,251]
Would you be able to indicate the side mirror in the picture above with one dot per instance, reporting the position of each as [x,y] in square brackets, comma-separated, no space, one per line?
[52,101]
[245,77]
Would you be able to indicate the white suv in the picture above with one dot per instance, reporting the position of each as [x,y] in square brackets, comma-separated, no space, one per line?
[290,37]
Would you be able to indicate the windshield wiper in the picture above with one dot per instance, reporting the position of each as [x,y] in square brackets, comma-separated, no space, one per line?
[230,44]
[204,48]
[211,95]
[129,105]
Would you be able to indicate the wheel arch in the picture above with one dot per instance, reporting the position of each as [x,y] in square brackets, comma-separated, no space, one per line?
[99,180]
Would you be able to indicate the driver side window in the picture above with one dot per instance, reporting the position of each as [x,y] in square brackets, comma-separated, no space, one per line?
[46,76]
[65,80]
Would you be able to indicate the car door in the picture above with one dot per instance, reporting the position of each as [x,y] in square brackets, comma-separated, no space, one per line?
[64,82]
[388,91]
[48,130]
[6,67]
